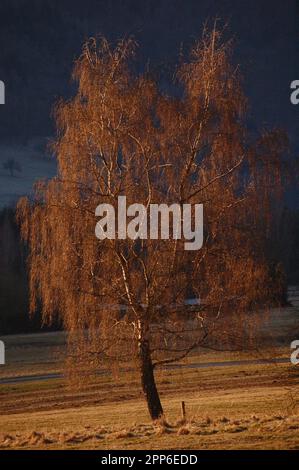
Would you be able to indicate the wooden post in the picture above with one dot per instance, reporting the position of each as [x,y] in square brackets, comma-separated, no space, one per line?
[183,410]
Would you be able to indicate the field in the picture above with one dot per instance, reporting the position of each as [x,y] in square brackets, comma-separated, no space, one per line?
[245,404]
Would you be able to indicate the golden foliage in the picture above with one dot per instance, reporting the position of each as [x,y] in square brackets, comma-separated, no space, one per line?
[121,135]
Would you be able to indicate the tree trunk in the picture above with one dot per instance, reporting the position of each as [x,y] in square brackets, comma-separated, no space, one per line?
[148,381]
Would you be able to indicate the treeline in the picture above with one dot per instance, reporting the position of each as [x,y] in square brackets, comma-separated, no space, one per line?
[293,266]
[282,245]
[14,292]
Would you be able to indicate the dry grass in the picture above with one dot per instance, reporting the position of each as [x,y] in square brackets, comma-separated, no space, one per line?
[273,432]
[233,407]
[225,410]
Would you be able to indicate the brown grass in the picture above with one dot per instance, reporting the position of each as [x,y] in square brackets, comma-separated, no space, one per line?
[282,435]
[235,407]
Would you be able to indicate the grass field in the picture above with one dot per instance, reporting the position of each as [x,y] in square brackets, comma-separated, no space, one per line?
[251,406]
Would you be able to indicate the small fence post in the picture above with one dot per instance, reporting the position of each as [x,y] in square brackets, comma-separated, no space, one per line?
[183,410]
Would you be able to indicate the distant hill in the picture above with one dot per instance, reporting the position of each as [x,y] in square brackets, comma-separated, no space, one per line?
[34,165]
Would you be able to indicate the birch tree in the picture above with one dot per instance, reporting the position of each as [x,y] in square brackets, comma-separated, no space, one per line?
[124,300]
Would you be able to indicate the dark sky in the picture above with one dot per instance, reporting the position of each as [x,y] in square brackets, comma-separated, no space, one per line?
[39,40]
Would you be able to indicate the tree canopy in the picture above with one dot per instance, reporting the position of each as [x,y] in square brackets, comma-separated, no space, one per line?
[123,134]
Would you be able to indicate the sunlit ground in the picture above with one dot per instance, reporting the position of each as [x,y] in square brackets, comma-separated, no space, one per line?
[237,406]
